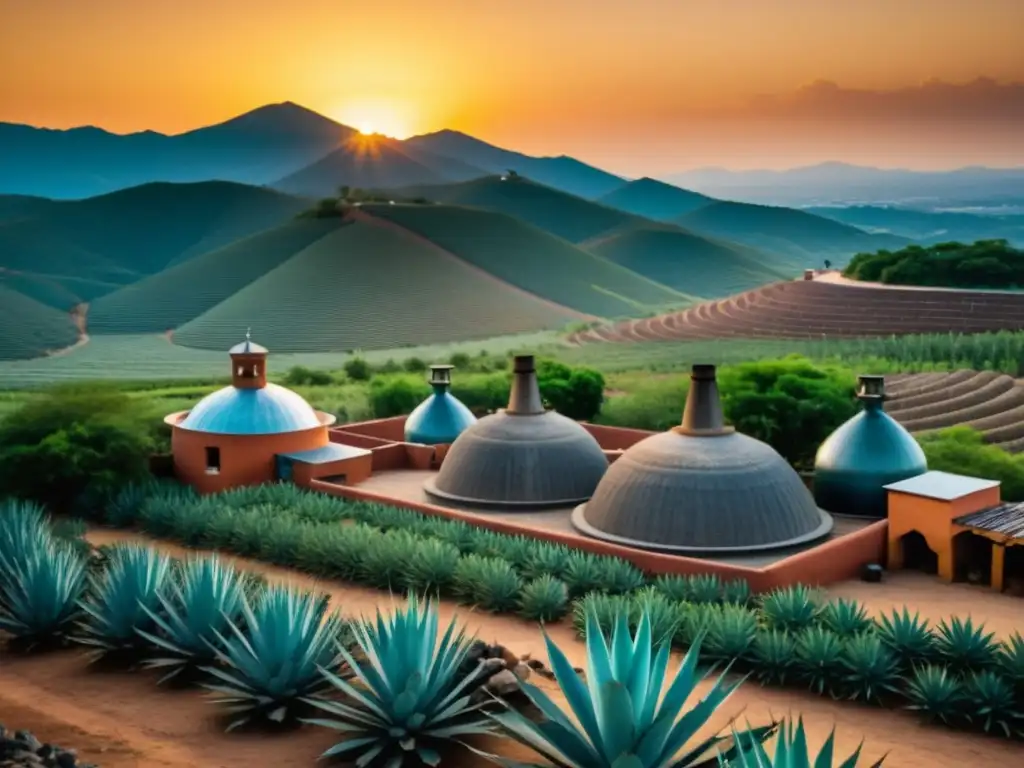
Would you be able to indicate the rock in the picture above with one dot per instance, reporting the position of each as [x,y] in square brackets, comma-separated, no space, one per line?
[32,744]
[579,671]
[504,683]
[525,657]
[510,658]
[521,671]
[534,664]
[477,651]
[67,759]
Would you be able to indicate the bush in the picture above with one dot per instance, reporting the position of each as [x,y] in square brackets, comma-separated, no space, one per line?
[71,439]
[396,395]
[983,264]
[962,450]
[299,376]
[575,392]
[357,369]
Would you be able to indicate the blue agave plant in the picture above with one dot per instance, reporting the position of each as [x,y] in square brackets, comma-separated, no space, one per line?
[122,598]
[24,528]
[271,659]
[624,721]
[202,601]
[40,593]
[791,751]
[410,696]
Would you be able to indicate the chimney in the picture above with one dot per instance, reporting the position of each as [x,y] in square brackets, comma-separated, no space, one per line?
[440,377]
[871,391]
[524,399]
[702,416]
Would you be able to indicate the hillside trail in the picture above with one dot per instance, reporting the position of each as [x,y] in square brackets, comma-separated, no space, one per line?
[141,725]
[357,214]
[80,317]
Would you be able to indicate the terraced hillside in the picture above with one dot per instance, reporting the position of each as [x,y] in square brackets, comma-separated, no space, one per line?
[369,285]
[531,259]
[812,309]
[655,199]
[992,403]
[697,266]
[30,329]
[176,295]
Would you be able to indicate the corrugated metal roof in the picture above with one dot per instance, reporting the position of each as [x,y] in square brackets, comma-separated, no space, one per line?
[326,454]
[943,486]
[266,411]
[1005,519]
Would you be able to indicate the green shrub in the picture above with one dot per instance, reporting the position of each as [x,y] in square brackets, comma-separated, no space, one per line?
[872,670]
[819,657]
[547,559]
[991,705]
[773,654]
[544,599]
[432,567]
[357,369]
[603,607]
[791,608]
[936,695]
[703,588]
[982,264]
[300,376]
[845,617]
[730,634]
[908,637]
[584,573]
[736,592]
[40,590]
[962,450]
[396,395]
[962,646]
[664,615]
[575,392]
[385,561]
[488,583]
[1011,662]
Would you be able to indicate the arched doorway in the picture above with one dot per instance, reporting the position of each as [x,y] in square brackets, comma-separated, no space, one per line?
[972,555]
[917,555]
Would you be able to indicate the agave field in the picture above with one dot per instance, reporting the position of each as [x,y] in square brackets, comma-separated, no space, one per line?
[399,688]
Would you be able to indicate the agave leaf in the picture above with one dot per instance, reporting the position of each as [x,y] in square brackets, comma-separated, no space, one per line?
[39,596]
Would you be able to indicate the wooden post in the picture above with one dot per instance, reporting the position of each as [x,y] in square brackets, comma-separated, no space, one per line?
[998,566]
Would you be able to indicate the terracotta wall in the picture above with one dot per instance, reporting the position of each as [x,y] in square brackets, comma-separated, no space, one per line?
[615,438]
[359,441]
[839,559]
[390,429]
[355,469]
[390,456]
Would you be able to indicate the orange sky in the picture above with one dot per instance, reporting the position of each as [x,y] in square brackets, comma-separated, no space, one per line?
[626,82]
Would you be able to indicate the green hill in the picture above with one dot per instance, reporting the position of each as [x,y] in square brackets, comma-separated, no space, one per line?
[567,216]
[30,329]
[700,267]
[120,237]
[19,206]
[370,285]
[802,239]
[655,199]
[532,259]
[170,298]
[46,290]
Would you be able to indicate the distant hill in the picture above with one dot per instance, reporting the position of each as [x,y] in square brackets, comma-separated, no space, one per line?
[691,264]
[254,148]
[19,206]
[565,173]
[375,162]
[172,297]
[30,329]
[654,199]
[369,285]
[531,259]
[122,236]
[927,226]
[570,217]
[803,239]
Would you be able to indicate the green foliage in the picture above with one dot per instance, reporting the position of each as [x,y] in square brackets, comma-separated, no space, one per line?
[936,694]
[992,705]
[72,438]
[819,656]
[963,450]
[547,559]
[396,395]
[790,608]
[122,599]
[31,328]
[845,617]
[204,597]
[544,599]
[872,670]
[963,646]
[386,559]
[40,590]
[983,264]
[357,369]
[731,633]
[623,717]
[573,392]
[791,751]
[24,528]
[908,637]
[412,697]
[488,583]
[773,653]
[432,567]
[271,660]
[300,376]
[583,574]
[1011,661]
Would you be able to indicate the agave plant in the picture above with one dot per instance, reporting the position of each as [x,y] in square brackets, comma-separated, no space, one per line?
[24,528]
[584,574]
[39,598]
[665,616]
[199,605]
[489,583]
[620,576]
[909,637]
[624,720]
[791,751]
[605,608]
[704,588]
[991,703]
[118,599]
[410,697]
[936,695]
[736,592]
[546,560]
[791,608]
[1011,661]
[432,566]
[963,646]
[845,617]
[819,659]
[871,669]
[731,632]
[271,660]
[544,599]
[774,656]
[386,559]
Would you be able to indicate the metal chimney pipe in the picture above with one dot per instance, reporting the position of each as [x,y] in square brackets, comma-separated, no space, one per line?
[441,376]
[871,390]
[524,399]
[703,415]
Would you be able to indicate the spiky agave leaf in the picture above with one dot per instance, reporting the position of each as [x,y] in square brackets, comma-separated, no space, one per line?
[489,583]
[703,588]
[623,718]
[991,705]
[39,597]
[791,608]
[871,669]
[119,596]
[583,574]
[819,659]
[936,695]
[24,528]
[963,646]
[845,617]
[604,606]
[731,633]
[909,637]
[791,751]
[409,696]
[432,566]
[665,616]
[1011,661]
[271,659]
[736,592]
[774,656]
[546,559]
[544,599]
[202,600]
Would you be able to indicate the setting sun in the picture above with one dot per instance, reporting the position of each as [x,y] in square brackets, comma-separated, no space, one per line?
[384,118]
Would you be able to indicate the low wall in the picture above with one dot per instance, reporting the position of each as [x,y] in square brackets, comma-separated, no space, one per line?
[342,437]
[615,438]
[390,456]
[833,561]
[392,429]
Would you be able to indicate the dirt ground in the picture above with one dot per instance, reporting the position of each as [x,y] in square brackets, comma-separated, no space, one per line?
[122,720]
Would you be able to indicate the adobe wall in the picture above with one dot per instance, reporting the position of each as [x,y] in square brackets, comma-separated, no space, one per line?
[615,438]
[355,469]
[833,561]
[392,429]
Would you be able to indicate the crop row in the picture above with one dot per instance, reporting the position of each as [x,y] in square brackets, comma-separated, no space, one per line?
[29,328]
[401,550]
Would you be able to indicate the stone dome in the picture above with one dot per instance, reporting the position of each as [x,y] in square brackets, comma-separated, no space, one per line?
[702,489]
[522,457]
[865,454]
[441,417]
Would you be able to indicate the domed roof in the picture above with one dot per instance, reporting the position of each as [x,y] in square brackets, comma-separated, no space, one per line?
[522,456]
[702,489]
[441,417]
[264,411]
[865,454]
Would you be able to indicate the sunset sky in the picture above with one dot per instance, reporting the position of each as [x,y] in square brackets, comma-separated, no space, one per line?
[637,86]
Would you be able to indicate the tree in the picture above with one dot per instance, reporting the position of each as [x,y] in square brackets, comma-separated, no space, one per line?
[74,439]
[828,264]
[576,392]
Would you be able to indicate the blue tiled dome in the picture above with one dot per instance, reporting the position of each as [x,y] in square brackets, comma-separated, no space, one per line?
[265,411]
[439,419]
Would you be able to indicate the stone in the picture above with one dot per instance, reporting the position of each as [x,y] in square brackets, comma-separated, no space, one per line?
[534,664]
[510,658]
[522,671]
[504,683]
